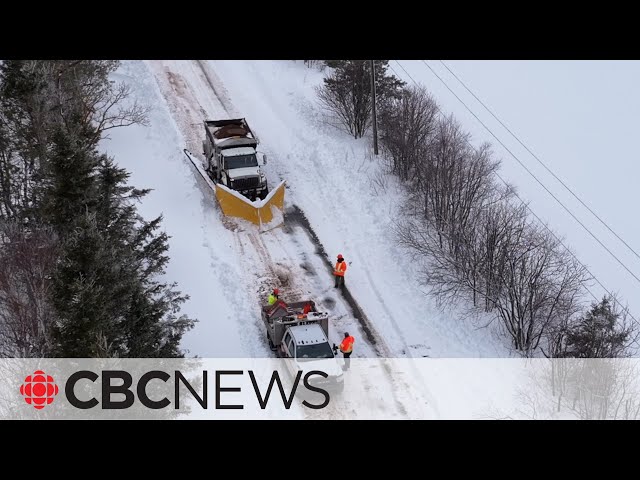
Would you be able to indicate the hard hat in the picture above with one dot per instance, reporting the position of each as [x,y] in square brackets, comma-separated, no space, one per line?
[276,291]
[340,255]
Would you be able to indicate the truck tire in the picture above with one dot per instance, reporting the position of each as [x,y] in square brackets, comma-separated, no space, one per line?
[271,345]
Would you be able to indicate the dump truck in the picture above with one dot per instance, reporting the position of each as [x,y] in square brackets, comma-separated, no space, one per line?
[231,158]
[303,337]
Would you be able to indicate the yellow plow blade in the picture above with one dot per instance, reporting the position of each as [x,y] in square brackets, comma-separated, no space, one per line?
[264,213]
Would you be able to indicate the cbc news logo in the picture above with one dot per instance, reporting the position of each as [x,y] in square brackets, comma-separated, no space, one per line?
[39,389]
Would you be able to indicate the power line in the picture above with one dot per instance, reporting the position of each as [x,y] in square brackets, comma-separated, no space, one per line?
[538,159]
[439,110]
[533,175]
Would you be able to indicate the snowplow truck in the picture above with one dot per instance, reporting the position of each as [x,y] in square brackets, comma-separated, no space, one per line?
[303,338]
[231,158]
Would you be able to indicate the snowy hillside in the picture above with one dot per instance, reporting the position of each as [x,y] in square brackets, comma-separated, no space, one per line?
[579,118]
[337,201]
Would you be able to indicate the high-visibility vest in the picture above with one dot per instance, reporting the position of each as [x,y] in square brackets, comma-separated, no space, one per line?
[341,267]
[347,344]
[272,299]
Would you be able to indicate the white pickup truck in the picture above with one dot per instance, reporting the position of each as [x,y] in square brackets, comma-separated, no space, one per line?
[303,337]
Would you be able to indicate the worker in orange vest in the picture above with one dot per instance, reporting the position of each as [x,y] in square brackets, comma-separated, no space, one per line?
[338,271]
[346,347]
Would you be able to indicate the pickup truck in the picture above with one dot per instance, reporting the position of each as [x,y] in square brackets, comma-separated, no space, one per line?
[303,337]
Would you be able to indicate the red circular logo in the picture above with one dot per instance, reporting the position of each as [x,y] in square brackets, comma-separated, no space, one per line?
[39,389]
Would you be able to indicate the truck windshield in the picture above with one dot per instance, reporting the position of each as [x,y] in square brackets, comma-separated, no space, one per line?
[318,350]
[240,161]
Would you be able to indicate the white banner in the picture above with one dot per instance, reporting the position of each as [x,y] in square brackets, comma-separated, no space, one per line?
[266,388]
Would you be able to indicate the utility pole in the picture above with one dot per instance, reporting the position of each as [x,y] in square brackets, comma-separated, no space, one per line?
[373,100]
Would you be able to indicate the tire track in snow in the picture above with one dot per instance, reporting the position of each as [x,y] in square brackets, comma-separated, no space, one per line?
[218,89]
[185,107]
[183,101]
[294,132]
[372,336]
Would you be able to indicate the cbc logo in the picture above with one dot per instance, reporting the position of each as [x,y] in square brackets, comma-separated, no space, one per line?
[39,389]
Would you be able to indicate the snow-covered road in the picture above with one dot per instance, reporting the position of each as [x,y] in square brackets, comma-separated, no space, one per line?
[227,267]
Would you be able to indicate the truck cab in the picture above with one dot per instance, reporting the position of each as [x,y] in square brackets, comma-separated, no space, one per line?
[302,337]
[231,157]
[241,171]
[309,348]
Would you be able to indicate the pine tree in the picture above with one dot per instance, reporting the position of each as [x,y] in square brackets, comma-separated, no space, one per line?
[89,286]
[106,287]
[347,92]
[599,334]
[110,300]
[23,111]
[151,327]
[67,188]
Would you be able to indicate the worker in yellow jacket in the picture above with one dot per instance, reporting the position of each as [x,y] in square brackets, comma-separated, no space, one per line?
[273,297]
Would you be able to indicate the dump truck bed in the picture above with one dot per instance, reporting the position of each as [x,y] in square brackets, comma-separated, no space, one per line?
[234,132]
[279,316]
[271,312]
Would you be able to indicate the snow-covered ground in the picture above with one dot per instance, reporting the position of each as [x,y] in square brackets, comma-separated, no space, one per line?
[227,267]
[580,118]
[333,178]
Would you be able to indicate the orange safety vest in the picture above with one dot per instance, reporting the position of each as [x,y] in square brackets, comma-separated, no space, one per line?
[347,344]
[341,267]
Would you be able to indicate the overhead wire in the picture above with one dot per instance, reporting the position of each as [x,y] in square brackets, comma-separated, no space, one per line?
[535,177]
[538,159]
[528,207]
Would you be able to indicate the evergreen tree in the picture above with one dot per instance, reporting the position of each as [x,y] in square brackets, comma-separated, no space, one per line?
[112,262]
[67,188]
[599,334]
[347,92]
[106,289]
[23,111]
[89,286]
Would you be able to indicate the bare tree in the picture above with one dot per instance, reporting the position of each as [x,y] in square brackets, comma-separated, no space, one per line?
[407,126]
[455,179]
[26,315]
[39,97]
[542,284]
[597,388]
[81,90]
[508,266]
